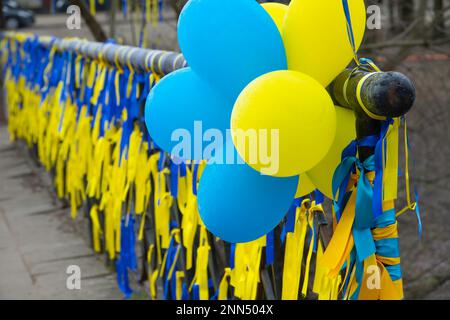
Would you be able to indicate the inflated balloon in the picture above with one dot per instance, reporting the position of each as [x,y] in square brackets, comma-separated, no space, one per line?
[180,108]
[316,39]
[278,12]
[305,186]
[230,43]
[322,174]
[293,119]
[238,204]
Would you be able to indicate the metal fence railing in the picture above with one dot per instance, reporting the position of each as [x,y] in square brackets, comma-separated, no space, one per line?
[79,106]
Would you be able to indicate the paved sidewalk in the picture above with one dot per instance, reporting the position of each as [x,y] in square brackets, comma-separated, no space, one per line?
[38,240]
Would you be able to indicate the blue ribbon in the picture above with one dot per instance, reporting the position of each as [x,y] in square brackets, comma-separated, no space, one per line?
[184,292]
[319,197]
[232,254]
[416,194]
[315,234]
[351,265]
[127,258]
[359,273]
[124,8]
[174,169]
[419,219]
[195,292]
[389,247]
[194,179]
[270,248]
[289,225]
[364,196]
[161,4]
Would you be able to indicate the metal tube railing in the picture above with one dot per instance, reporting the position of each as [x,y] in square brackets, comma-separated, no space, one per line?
[157,61]
[376,94]
[383,94]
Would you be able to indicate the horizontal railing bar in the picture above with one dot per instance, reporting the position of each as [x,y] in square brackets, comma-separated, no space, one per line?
[376,94]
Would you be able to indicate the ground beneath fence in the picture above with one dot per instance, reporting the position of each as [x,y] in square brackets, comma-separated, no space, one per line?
[38,239]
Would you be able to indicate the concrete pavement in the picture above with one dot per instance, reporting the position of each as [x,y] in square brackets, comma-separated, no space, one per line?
[38,239]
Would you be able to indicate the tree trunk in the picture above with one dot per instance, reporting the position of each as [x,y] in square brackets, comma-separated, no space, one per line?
[112,19]
[439,20]
[2,19]
[95,27]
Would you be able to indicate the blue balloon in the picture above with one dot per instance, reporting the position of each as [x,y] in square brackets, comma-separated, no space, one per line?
[230,43]
[238,204]
[180,109]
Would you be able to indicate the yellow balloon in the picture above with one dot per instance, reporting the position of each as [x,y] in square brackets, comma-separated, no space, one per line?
[283,123]
[316,39]
[305,186]
[277,11]
[322,174]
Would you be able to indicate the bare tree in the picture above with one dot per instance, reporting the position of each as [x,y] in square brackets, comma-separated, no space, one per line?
[2,101]
[94,26]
